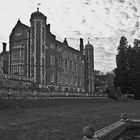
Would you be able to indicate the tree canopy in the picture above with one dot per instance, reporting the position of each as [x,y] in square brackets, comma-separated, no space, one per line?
[127,73]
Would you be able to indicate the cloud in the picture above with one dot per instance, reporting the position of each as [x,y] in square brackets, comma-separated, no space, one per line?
[77,33]
[1,40]
[122,1]
[103,21]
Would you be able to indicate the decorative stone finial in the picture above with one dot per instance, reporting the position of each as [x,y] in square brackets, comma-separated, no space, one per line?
[38,6]
[18,20]
[123,116]
[65,41]
[88,132]
[88,40]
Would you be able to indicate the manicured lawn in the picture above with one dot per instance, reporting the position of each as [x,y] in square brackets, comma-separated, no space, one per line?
[60,119]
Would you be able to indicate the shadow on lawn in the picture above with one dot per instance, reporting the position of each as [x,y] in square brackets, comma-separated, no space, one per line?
[33,103]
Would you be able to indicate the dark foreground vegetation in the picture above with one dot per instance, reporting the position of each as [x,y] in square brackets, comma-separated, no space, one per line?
[59,119]
[127,73]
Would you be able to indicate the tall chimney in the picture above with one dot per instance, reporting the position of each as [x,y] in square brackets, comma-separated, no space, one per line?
[81,45]
[48,26]
[4,46]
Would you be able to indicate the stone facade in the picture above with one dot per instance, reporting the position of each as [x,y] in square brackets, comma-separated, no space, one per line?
[19,50]
[34,52]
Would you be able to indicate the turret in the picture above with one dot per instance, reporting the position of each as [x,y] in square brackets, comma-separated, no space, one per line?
[37,46]
[38,15]
[89,53]
[89,68]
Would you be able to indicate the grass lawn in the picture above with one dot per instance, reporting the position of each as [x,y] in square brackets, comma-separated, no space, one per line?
[59,119]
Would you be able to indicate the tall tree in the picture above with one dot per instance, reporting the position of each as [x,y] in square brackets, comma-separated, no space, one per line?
[135,69]
[121,72]
[131,67]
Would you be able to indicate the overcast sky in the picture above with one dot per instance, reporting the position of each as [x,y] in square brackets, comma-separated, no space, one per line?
[103,21]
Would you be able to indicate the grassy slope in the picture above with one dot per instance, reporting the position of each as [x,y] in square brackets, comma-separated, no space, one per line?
[59,119]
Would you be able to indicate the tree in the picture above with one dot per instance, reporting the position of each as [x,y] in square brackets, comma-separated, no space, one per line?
[110,81]
[121,72]
[131,67]
[127,73]
[134,69]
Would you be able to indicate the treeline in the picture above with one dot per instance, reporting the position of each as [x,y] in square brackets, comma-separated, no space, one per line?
[127,73]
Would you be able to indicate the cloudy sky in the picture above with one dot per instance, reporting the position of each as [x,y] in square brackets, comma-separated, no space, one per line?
[103,21]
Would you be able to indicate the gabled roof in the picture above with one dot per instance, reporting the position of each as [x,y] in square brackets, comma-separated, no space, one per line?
[18,24]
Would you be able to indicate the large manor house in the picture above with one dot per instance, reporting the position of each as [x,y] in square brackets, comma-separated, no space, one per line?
[35,54]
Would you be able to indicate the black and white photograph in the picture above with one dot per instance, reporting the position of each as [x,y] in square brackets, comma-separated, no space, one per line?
[69,69]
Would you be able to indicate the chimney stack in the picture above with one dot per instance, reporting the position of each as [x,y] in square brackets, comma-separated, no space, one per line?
[81,45]
[48,26]
[4,46]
